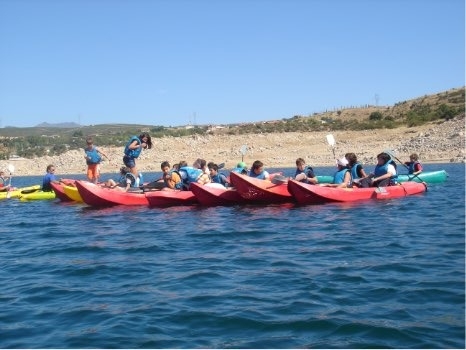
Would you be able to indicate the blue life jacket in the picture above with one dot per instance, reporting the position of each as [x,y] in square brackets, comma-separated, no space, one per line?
[412,167]
[93,157]
[260,176]
[308,171]
[133,153]
[354,171]
[219,179]
[339,177]
[239,170]
[189,174]
[131,177]
[383,169]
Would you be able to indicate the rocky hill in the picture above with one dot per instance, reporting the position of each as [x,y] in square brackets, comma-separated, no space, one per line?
[435,142]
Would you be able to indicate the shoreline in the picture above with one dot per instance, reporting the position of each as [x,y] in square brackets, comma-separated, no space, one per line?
[435,143]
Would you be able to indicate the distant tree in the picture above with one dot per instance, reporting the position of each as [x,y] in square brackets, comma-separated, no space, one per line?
[376,116]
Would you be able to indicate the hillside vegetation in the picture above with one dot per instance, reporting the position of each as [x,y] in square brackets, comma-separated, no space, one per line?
[45,140]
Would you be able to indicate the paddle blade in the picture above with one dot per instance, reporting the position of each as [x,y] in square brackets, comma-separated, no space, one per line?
[279,179]
[243,149]
[11,168]
[330,140]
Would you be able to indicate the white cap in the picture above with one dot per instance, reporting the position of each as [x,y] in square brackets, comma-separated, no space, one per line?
[342,161]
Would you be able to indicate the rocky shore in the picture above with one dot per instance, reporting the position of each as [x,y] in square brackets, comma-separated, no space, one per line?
[435,143]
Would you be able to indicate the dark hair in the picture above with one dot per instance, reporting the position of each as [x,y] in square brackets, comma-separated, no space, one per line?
[300,161]
[50,166]
[125,170]
[352,159]
[384,156]
[257,164]
[164,164]
[149,140]
[213,166]
[199,162]
[89,140]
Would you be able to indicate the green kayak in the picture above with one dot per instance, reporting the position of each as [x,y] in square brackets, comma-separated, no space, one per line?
[430,177]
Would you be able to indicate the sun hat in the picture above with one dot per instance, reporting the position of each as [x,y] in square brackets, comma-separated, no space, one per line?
[241,165]
[342,161]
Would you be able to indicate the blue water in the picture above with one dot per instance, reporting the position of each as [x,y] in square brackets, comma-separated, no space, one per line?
[377,274]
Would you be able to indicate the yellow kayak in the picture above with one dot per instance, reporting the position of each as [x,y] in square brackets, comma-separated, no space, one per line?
[18,192]
[73,193]
[38,195]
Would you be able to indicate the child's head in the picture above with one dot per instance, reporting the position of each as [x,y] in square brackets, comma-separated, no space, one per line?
[124,170]
[165,167]
[213,168]
[414,157]
[89,140]
[257,167]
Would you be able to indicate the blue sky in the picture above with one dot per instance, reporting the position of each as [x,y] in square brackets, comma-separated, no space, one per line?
[178,62]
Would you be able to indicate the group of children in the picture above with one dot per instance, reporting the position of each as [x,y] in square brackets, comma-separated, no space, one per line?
[349,171]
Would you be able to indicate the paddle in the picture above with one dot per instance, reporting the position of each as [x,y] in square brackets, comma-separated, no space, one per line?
[243,150]
[390,153]
[11,169]
[279,179]
[331,142]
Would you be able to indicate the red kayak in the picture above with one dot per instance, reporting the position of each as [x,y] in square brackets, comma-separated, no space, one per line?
[58,188]
[262,191]
[214,194]
[99,196]
[170,198]
[315,194]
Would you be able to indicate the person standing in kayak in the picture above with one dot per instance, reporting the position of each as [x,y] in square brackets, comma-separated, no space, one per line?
[93,158]
[133,149]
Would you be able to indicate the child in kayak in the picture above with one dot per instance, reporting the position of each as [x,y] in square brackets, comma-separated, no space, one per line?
[304,173]
[414,166]
[216,177]
[127,180]
[257,171]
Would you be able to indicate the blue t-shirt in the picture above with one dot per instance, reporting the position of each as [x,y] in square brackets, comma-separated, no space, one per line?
[48,178]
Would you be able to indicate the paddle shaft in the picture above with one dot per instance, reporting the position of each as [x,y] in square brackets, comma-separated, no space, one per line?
[414,175]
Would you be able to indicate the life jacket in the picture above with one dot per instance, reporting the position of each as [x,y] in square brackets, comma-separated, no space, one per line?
[412,167]
[93,157]
[178,185]
[131,177]
[133,153]
[260,176]
[354,171]
[189,174]
[339,177]
[383,169]
[308,171]
[219,179]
